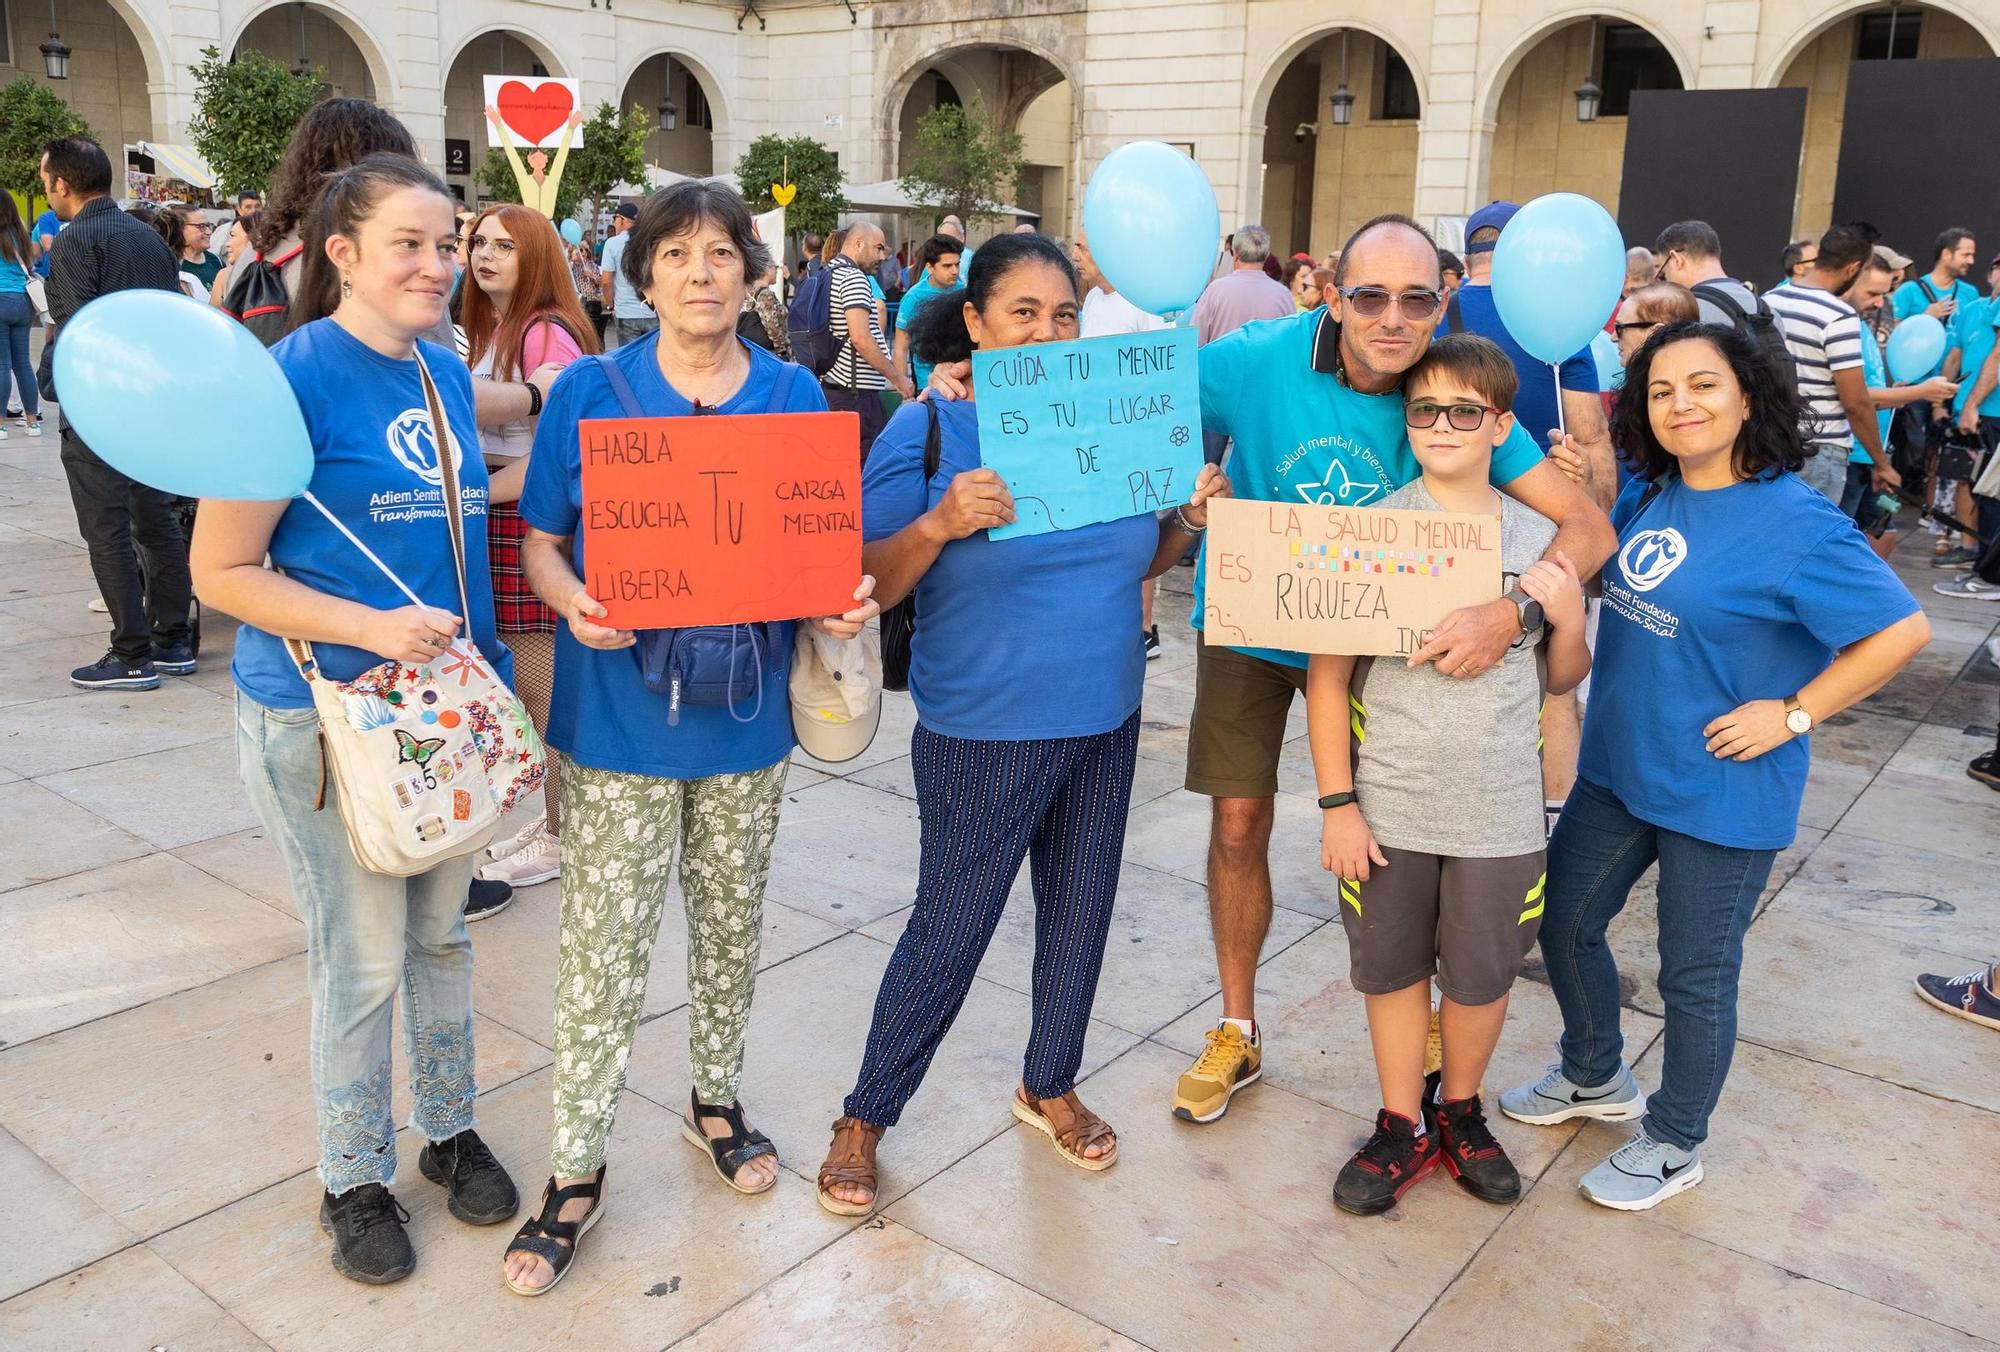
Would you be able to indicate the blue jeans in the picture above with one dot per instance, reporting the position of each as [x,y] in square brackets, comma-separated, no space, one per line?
[1708,894]
[369,938]
[17,321]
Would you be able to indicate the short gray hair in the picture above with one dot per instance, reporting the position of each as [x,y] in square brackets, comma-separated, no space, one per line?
[1251,244]
[1639,262]
[679,210]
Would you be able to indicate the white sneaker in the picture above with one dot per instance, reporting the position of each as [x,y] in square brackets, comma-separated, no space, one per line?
[35,428]
[96,606]
[515,842]
[535,862]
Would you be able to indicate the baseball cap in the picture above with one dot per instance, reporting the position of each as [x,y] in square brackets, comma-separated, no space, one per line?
[1898,261]
[836,691]
[629,210]
[1492,216]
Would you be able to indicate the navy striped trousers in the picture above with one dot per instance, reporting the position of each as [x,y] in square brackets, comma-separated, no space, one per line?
[985,806]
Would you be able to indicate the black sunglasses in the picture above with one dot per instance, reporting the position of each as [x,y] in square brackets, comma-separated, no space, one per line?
[1639,324]
[1464,417]
[1371,301]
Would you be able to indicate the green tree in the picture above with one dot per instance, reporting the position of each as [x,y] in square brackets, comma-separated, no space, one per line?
[613,151]
[31,116]
[813,169]
[246,109]
[964,165]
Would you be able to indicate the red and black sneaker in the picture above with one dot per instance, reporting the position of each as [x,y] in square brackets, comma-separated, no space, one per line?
[1471,1154]
[1394,1158]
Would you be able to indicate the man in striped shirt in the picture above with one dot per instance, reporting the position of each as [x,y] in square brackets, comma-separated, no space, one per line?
[1824,334]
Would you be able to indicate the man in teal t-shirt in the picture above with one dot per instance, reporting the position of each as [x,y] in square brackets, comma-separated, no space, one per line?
[937,273]
[1314,405]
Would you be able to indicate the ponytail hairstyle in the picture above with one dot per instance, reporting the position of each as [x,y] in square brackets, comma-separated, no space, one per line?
[543,293]
[938,333]
[347,201]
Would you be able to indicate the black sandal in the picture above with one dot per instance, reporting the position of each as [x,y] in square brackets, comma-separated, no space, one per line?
[552,1239]
[729,1153]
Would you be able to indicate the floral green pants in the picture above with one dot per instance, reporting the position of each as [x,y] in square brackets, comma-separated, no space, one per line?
[620,833]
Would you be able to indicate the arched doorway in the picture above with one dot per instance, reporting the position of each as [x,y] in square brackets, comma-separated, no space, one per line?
[1027,94]
[499,51]
[305,36]
[681,111]
[1541,140]
[1340,141]
[112,60]
[1819,66]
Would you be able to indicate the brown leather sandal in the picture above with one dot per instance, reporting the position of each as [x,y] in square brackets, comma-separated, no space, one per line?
[1084,1129]
[850,1159]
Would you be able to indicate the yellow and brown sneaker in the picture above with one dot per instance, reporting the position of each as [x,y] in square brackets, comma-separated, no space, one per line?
[1228,1063]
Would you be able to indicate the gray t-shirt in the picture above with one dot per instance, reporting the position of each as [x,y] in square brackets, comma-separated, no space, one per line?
[1711,313]
[1449,767]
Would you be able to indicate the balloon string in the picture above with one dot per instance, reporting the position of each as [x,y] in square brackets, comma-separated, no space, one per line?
[1562,423]
[355,540]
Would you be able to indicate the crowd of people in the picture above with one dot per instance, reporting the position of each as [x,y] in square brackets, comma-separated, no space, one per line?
[1682,553]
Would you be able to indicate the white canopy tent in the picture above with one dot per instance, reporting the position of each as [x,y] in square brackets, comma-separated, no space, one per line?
[889,196]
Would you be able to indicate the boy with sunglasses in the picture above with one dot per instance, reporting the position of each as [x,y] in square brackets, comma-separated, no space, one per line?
[1432,803]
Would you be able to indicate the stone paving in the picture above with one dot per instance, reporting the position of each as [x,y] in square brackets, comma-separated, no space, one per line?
[156,1135]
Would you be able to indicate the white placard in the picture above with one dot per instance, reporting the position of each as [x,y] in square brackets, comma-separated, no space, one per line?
[535,108]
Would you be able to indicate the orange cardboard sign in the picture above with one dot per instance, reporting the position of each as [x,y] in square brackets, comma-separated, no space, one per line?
[721,520]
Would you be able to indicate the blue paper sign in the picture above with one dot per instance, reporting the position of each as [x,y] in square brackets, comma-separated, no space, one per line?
[1093,430]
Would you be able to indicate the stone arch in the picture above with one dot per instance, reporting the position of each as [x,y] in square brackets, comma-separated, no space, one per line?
[712,89]
[381,72]
[544,50]
[1809,32]
[942,56]
[1488,100]
[1258,100]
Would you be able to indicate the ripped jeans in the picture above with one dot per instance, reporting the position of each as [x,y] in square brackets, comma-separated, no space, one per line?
[369,938]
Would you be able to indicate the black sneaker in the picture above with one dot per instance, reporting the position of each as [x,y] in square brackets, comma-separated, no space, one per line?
[1152,639]
[481,1192]
[112,672]
[1388,1166]
[369,1242]
[487,897]
[176,659]
[1471,1155]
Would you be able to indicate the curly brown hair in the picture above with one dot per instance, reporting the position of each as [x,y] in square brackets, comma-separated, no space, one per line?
[337,134]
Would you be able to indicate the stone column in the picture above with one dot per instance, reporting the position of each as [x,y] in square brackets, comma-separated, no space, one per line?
[1454,141]
[190,28]
[1727,57]
[418,98]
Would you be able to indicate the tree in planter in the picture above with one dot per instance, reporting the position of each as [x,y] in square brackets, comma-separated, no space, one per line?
[964,164]
[806,164]
[613,151]
[31,116]
[246,110]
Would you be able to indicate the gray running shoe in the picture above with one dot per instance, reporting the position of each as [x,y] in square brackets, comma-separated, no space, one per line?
[1553,1099]
[1967,587]
[1641,1174]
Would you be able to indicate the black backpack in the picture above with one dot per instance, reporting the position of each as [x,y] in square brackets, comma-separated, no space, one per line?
[1760,326]
[899,622]
[257,298]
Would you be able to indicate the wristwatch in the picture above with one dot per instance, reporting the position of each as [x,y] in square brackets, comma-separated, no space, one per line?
[1797,720]
[1333,800]
[1530,610]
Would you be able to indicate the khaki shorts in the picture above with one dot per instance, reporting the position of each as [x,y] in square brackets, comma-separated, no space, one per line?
[1238,728]
[1469,921]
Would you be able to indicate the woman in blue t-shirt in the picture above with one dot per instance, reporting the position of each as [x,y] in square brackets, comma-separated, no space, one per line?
[1741,609]
[1027,685]
[644,774]
[380,243]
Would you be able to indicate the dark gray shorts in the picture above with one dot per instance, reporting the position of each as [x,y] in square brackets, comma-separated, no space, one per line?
[1469,921]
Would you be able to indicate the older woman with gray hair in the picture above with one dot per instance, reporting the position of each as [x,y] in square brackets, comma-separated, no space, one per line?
[643,780]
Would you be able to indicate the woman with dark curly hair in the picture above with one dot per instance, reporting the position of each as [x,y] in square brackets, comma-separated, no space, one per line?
[1740,610]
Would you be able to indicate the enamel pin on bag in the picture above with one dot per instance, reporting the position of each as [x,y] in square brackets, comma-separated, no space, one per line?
[426,759]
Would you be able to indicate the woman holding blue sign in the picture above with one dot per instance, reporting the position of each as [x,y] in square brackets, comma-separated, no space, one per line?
[646,774]
[1027,687]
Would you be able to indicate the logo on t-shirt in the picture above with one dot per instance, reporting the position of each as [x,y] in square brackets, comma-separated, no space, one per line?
[1650,557]
[414,444]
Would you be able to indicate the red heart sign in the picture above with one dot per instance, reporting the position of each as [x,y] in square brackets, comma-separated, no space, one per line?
[534,114]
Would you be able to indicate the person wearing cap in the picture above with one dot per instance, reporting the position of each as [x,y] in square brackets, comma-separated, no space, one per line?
[631,319]
[647,775]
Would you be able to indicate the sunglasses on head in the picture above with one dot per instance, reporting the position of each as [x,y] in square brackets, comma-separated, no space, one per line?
[1372,301]
[1422,413]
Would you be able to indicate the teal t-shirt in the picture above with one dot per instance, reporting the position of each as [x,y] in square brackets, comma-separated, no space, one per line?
[1911,299]
[1303,436]
[1972,334]
[913,300]
[1875,371]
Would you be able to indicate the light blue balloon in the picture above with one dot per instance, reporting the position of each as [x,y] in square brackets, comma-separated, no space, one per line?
[182,398]
[572,231]
[1153,225]
[1610,370]
[1557,274]
[1915,349]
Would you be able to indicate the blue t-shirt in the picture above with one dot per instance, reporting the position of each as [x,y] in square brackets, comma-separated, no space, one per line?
[1716,598]
[1911,299]
[1972,334]
[375,466]
[1875,371]
[1303,436]
[47,226]
[602,715]
[1020,639]
[913,299]
[1535,402]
